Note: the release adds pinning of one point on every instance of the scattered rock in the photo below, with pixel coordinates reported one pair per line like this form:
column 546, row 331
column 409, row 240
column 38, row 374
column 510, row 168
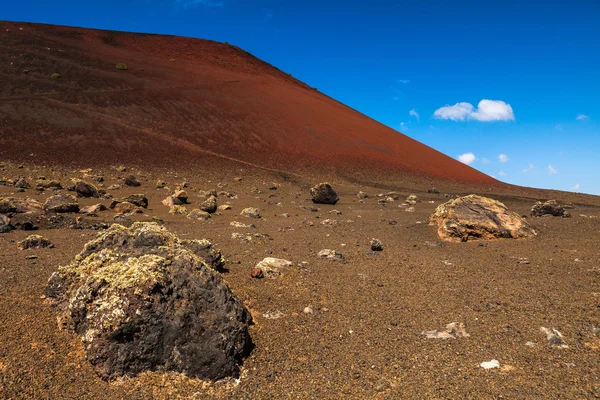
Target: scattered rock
column 114, row 187
column 35, row 242
column 142, row 300
column 551, row 207
column 172, row 201
column 433, row 191
column 453, row 330
column 209, row 205
column 85, row 189
column 160, row 184
column 224, row 207
column 95, row 209
column 475, row 217
column 48, row 184
column 490, row 364
column 270, row 267
column 198, row 214
column 236, row 224
column 7, row 205
column 330, row 254
column 62, row 203
column 181, row 195
column 250, row 212
column 178, row 210
column 376, row 245
column 362, row 195
column 393, row 195
column 308, row 310
column 127, row 208
column 130, row 180
column 323, row 193
column 555, row 338
column 138, row 199
column 409, row 209
column 22, row 184
column 257, row 273
column 412, row 200
column 5, row 225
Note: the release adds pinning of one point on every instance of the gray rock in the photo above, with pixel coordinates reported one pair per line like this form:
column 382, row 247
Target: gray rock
column 323, row 193
column 270, row 267
column 198, row 214
column 85, row 189
column 22, row 184
column 330, row 254
column 555, row 338
column 376, row 245
column 209, row 205
column 551, row 207
column 35, row 242
column 5, row 225
column 141, row 299
column 62, row 203
column 130, row 180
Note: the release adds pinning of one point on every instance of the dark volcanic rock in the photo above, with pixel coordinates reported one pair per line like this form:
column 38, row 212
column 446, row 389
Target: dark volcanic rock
column 551, row 207
column 138, row 199
column 475, row 217
column 5, row 225
column 84, row 189
column 7, row 205
column 323, row 193
column 141, row 299
column 35, row 242
column 209, row 205
column 131, row 181
column 376, row 245
column 62, row 203
column 22, row 184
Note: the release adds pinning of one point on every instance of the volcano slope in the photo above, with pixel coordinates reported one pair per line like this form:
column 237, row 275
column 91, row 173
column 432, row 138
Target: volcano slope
column 217, row 119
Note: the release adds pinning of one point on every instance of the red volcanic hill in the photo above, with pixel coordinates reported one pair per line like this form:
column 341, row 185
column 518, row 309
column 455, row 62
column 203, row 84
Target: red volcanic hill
column 180, row 99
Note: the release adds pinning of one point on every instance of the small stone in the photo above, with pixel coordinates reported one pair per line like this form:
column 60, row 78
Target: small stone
column 376, row 245
column 209, row 205
column 178, row 210
column 433, row 191
column 5, row 225
column 271, row 266
column 92, row 209
column 250, row 212
column 138, row 199
column 114, row 187
column 555, row 338
column 257, row 273
column 85, row 189
column 198, row 214
column 330, row 254
column 412, row 200
column 323, row 193
column 127, row 208
column 62, row 203
column 181, row 195
column 130, row 180
column 308, row 310
column 160, row 184
column 171, row 201
column 22, row 184
column 453, row 330
column 490, row 364
column 224, row 207
column 362, row 195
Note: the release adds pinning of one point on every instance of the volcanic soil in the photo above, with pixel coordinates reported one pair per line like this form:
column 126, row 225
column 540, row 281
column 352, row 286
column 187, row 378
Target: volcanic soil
column 363, row 338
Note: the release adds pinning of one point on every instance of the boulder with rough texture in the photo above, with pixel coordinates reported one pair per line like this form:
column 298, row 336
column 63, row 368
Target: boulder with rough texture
column 551, row 207
column 62, row 203
column 141, row 299
column 250, row 212
column 85, row 189
column 35, row 242
column 209, row 205
column 270, row 267
column 22, row 184
column 7, row 205
column 48, row 184
column 127, row 208
column 96, row 208
column 130, row 180
column 138, row 199
column 475, row 217
column 178, row 210
column 5, row 225
column 198, row 214
column 323, row 193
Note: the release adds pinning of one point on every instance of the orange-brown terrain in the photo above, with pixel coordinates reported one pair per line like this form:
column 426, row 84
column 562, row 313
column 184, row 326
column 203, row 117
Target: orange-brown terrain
column 207, row 114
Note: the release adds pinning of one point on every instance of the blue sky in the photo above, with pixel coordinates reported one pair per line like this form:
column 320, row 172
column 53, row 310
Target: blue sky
column 511, row 87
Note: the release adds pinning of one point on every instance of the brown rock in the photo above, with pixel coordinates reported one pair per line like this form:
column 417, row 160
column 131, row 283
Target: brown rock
column 138, row 199
column 209, row 205
column 323, row 193
column 551, row 207
column 62, row 203
column 475, row 217
column 126, row 207
column 85, row 189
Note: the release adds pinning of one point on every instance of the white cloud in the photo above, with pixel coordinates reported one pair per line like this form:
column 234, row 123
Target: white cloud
column 552, row 170
column 487, row 110
column 402, row 125
column 577, row 186
column 529, row 168
column 414, row 113
column 467, row 158
column 403, row 81
column 502, row 173
column 502, row 158
column 485, row 161
column 582, row 117
column 197, row 3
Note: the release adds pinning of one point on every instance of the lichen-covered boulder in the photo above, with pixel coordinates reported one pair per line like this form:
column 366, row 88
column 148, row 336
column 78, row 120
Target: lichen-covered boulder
column 209, row 205
column 475, row 217
column 35, row 242
column 551, row 207
column 62, row 203
column 141, row 299
column 323, row 193
column 85, row 189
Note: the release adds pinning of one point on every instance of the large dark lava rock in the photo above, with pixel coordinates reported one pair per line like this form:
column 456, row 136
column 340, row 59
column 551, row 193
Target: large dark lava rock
column 142, row 299
column 323, row 193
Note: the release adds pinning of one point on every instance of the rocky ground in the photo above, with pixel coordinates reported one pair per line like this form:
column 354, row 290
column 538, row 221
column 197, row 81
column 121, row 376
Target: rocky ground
column 327, row 328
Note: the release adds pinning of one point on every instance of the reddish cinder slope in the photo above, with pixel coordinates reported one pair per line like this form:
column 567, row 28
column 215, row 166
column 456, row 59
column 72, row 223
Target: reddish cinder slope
column 184, row 96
